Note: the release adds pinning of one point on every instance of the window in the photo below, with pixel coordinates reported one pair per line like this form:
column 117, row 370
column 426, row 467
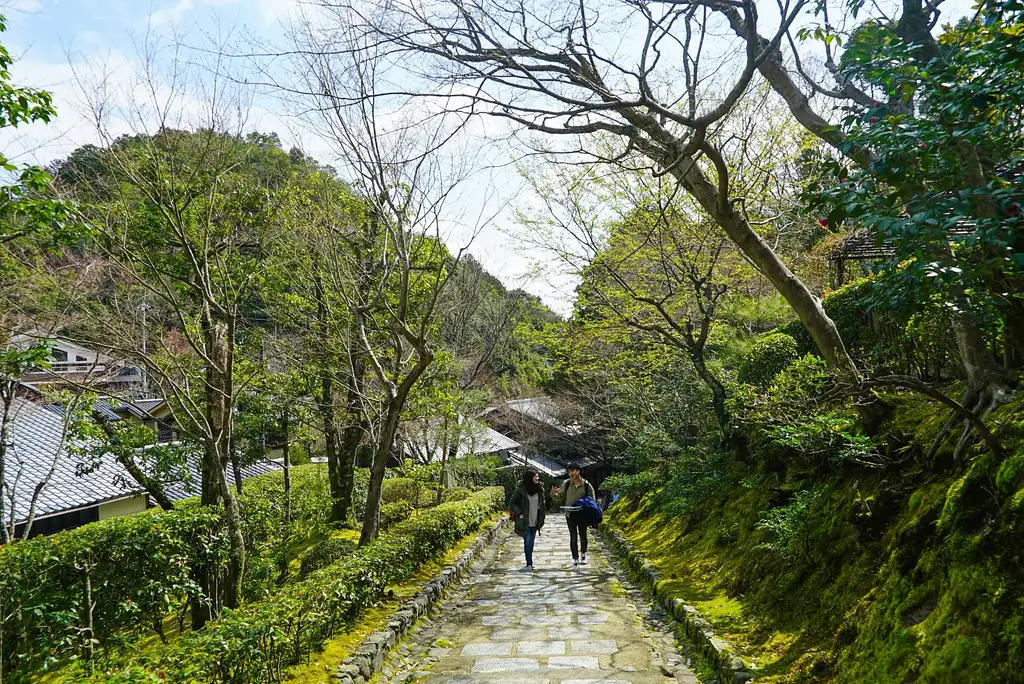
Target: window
column 80, row 358
column 60, row 355
column 165, row 433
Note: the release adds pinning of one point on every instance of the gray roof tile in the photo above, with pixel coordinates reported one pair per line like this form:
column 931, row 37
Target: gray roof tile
column 36, row 448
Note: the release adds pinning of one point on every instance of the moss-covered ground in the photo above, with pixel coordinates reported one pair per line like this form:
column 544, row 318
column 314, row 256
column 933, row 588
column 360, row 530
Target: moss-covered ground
column 913, row 572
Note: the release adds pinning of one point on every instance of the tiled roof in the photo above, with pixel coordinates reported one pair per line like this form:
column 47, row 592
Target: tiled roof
column 140, row 408
column 488, row 441
column 143, row 407
column 35, row 449
column 538, row 462
column 106, row 409
column 478, row 441
column 541, row 409
column 177, row 492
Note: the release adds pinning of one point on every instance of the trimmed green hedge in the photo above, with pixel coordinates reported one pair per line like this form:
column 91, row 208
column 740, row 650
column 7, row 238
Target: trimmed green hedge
column 257, row 642
column 325, row 553
column 138, row 569
column 393, row 513
column 137, row 566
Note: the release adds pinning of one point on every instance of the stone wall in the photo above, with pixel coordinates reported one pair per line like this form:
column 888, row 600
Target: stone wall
column 715, row 651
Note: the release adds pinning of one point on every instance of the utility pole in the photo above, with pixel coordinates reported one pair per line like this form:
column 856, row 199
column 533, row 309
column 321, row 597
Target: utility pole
column 145, row 351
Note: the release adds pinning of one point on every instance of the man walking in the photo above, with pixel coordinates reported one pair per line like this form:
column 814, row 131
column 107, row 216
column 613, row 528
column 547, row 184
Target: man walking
column 574, row 489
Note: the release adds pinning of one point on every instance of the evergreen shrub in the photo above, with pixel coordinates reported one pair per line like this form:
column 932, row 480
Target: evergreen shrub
column 768, row 357
column 258, row 642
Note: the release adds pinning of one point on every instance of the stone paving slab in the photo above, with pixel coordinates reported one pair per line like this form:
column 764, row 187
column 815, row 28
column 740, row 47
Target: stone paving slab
column 554, row 625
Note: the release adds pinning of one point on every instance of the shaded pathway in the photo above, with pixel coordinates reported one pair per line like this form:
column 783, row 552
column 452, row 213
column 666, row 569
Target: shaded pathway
column 554, row 624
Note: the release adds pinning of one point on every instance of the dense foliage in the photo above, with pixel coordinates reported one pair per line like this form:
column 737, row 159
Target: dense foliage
column 71, row 595
column 256, row 643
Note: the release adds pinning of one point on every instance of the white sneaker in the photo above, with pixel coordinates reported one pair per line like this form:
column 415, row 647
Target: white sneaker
column 575, row 563
column 583, row 559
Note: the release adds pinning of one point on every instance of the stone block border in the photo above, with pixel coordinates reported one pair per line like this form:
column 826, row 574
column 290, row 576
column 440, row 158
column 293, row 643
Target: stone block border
column 717, row 652
column 368, row 659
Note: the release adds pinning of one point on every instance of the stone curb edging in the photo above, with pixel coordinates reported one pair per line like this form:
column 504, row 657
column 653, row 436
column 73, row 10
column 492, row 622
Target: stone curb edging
column 720, row 654
column 368, row 659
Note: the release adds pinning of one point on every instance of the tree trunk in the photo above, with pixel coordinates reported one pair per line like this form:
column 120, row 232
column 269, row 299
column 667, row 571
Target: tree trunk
column 286, row 462
column 236, row 465
column 445, row 448
column 216, row 455
column 286, row 518
column 334, row 470
column 807, row 306
column 371, row 514
column 371, row 517
column 153, row 488
column 7, row 397
column 715, row 385
column 352, row 438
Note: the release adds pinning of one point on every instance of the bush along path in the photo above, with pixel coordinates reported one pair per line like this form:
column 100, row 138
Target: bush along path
column 553, row 624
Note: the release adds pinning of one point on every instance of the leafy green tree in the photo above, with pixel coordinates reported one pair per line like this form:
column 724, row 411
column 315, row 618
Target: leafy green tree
column 309, row 300
column 184, row 223
column 649, row 260
column 929, row 124
column 944, row 188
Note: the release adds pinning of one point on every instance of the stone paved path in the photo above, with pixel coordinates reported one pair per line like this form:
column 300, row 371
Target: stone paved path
column 556, row 624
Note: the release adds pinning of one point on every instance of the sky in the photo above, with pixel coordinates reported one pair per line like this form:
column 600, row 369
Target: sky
column 58, row 43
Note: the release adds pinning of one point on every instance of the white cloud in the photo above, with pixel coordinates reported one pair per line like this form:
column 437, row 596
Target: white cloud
column 172, row 14
column 278, row 10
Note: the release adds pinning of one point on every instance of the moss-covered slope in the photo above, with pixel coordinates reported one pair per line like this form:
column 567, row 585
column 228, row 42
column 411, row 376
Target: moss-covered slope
column 911, row 573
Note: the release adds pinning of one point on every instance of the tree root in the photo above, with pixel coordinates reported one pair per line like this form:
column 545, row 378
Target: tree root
column 969, row 401
column 987, row 402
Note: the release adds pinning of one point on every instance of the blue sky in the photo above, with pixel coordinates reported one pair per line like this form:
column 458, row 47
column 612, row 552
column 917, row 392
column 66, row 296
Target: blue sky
column 55, row 40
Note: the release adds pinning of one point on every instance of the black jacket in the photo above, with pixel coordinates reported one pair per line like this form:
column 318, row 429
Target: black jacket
column 520, row 506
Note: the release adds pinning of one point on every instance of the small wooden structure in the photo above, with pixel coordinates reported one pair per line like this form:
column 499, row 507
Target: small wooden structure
column 864, row 246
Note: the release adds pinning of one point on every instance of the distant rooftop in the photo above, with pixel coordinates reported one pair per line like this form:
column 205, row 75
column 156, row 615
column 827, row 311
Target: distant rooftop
column 541, row 409
column 36, row 448
column 479, row 440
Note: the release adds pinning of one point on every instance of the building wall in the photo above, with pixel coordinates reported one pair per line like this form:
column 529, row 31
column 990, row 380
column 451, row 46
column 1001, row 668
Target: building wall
column 115, row 509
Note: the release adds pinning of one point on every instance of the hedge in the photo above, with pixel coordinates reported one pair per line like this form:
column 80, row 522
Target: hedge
column 404, row 489
column 138, row 569
column 393, row 513
column 257, row 642
column 325, row 553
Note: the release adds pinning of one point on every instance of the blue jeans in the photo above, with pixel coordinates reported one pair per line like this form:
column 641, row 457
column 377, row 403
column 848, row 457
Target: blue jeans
column 528, row 539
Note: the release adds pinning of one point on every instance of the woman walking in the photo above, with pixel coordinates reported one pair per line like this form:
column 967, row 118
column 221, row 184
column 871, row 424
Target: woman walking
column 527, row 506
